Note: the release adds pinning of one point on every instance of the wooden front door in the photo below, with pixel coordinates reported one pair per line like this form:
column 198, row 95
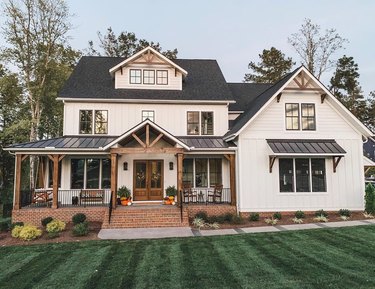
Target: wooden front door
column 148, row 180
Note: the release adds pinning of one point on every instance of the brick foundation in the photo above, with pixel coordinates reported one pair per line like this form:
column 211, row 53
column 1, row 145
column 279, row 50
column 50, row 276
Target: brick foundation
column 34, row 216
column 211, row 210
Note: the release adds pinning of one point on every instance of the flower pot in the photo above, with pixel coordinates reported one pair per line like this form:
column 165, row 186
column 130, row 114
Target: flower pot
column 171, row 198
column 124, row 202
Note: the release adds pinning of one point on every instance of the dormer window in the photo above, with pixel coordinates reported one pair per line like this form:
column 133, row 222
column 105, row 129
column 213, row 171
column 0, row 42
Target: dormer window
column 162, row 77
column 148, row 76
column 135, row 76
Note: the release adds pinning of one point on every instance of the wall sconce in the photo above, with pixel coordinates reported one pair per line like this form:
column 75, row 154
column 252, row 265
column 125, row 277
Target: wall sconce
column 125, row 164
column 171, row 166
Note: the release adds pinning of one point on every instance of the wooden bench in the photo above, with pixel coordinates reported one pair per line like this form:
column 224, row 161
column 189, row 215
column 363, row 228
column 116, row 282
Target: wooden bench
column 88, row 196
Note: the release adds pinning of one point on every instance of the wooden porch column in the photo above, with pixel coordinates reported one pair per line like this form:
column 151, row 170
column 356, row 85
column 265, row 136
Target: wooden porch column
column 232, row 164
column 17, row 183
column 180, row 158
column 55, row 183
column 114, row 168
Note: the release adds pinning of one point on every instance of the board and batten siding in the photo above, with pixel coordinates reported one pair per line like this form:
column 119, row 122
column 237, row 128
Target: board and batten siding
column 124, row 116
column 259, row 189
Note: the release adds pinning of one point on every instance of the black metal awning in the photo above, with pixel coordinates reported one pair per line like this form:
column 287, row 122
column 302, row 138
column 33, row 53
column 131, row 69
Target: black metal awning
column 327, row 147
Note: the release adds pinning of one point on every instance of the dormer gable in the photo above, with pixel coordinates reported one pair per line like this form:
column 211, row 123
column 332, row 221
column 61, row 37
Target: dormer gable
column 148, row 69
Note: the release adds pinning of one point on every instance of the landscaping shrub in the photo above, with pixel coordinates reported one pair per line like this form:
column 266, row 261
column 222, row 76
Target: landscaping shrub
column 277, row 215
column 297, row 220
column 370, row 199
column 5, row 224
column 237, row 220
column 271, row 221
column 81, row 229
column 55, row 226
column 45, row 221
column 321, row 218
column 29, row 232
column 19, row 224
column 299, row 214
column 201, row 215
column 345, row 212
column 214, row 219
column 16, row 231
column 78, row 218
column 321, row 213
column 254, row 217
column 52, row 235
column 228, row 217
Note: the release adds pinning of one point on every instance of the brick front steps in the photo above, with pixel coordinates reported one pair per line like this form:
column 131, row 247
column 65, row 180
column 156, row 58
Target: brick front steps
column 146, row 216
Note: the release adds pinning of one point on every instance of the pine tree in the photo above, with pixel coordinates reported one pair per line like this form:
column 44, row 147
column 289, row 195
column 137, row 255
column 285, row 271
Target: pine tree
column 272, row 67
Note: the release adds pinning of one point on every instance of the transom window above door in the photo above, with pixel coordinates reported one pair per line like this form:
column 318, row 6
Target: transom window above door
column 200, row 123
column 295, row 119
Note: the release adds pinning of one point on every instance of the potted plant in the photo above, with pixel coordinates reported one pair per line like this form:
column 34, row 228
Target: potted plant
column 171, row 193
column 124, row 194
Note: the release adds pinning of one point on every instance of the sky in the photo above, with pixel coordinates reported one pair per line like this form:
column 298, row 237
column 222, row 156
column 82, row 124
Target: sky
column 232, row 32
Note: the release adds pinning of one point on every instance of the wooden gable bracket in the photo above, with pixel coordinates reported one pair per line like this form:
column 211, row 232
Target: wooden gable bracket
column 336, row 161
column 278, row 97
column 271, row 162
column 139, row 140
column 323, row 97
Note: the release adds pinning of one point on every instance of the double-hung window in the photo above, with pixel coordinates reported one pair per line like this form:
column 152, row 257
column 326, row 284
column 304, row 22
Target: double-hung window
column 200, row 123
column 308, row 116
column 292, row 116
column 85, row 121
column 101, row 121
column 88, row 123
column 295, row 119
column 302, row 175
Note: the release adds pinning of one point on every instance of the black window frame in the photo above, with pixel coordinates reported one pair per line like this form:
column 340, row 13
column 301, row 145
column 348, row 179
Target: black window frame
column 148, row 77
column 135, row 77
column 308, row 117
column 201, row 123
column 89, row 123
column 193, row 123
column 102, row 122
column 161, row 77
column 148, row 110
column 292, row 117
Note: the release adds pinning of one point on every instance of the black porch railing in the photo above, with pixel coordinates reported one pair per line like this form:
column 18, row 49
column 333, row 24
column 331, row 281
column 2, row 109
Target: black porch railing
column 207, row 196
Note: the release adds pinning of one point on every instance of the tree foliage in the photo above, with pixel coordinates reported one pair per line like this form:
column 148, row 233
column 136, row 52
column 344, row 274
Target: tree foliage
column 314, row 48
column 273, row 66
column 345, row 86
column 124, row 45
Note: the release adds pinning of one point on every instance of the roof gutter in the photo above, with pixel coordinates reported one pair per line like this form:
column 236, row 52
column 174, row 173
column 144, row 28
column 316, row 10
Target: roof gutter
column 104, row 100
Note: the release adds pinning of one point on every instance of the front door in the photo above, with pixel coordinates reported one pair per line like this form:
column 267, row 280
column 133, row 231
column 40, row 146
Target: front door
column 148, row 180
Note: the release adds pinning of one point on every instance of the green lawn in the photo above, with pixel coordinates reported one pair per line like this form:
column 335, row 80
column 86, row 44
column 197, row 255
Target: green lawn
column 324, row 258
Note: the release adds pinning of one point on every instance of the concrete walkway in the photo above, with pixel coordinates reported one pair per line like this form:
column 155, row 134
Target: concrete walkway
column 172, row 232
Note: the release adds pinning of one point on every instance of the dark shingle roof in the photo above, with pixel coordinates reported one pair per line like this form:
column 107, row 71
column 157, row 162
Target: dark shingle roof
column 91, row 79
column 245, row 93
column 254, row 106
column 67, row 142
column 305, row 146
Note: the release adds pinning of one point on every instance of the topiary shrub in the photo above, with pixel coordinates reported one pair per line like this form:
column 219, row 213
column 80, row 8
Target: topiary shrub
column 81, row 229
column 254, row 217
column 201, row 215
column 345, row 212
column 299, row 214
column 55, row 226
column 370, row 199
column 277, row 215
column 19, row 224
column 5, row 224
column 29, row 232
column 78, row 218
column 321, row 213
column 16, row 231
column 45, row 221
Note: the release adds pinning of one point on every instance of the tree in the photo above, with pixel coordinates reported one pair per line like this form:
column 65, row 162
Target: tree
column 124, row 45
column 370, row 113
column 316, row 49
column 35, row 30
column 345, row 86
column 272, row 67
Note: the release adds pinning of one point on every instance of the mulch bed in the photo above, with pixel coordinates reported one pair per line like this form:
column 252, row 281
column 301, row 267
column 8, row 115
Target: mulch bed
column 65, row 236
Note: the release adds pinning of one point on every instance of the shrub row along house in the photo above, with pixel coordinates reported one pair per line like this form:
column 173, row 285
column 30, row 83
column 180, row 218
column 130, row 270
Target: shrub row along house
column 148, row 123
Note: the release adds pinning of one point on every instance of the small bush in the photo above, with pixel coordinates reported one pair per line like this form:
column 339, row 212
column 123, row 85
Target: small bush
column 367, row 215
column 81, row 229
column 345, row 212
column 78, row 218
column 344, row 218
column 29, row 232
column 271, row 221
column 45, row 221
column 370, row 199
column 213, row 226
column 237, row 220
column 198, row 223
column 277, row 215
column 55, row 226
column 321, row 213
column 254, row 217
column 321, row 218
column 5, row 224
column 16, row 231
column 19, row 224
column 297, row 220
column 53, row 235
column 201, row 215
column 228, row 217
column 299, row 215
column 215, row 219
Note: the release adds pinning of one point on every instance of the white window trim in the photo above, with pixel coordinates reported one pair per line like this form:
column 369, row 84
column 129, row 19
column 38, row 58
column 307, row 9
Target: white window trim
column 144, row 110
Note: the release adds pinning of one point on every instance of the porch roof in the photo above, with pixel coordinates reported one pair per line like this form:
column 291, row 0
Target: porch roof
column 206, row 142
column 328, row 147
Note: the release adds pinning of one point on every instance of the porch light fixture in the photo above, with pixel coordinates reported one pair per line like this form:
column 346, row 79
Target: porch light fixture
column 125, row 165
column 171, row 166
